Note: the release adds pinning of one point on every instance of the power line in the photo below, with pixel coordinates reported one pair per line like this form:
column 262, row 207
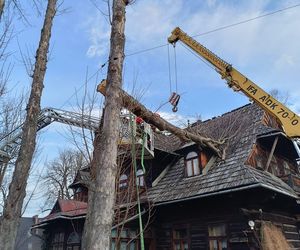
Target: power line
column 200, row 34
column 247, row 20
column 76, row 91
column 163, row 45
column 146, row 50
column 220, row 28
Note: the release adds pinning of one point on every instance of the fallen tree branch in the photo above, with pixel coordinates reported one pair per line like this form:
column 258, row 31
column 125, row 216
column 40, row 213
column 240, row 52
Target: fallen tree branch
column 140, row 110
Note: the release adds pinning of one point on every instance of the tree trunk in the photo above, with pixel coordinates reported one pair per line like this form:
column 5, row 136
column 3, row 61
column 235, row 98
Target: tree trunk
column 140, row 110
column 104, row 164
column 17, row 189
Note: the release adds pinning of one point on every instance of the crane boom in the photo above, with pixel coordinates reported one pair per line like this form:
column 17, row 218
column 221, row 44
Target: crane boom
column 289, row 121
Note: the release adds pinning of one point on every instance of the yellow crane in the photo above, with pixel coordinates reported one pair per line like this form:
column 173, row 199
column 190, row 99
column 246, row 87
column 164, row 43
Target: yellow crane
column 289, row 121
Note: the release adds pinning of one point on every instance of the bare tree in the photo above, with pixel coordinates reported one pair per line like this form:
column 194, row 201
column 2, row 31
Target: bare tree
column 104, row 163
column 61, row 173
column 87, row 105
column 104, row 166
column 11, row 116
column 6, row 34
column 17, row 190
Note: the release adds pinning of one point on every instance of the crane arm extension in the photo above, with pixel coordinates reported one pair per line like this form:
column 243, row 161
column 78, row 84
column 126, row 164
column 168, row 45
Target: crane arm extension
column 238, row 82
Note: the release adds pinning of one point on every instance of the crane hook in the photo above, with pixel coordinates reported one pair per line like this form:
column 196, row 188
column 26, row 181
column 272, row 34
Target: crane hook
column 174, row 100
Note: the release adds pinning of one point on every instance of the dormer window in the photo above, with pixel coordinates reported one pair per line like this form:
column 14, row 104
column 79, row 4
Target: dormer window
column 123, row 181
column 140, row 178
column 81, row 194
column 192, row 166
column 78, row 190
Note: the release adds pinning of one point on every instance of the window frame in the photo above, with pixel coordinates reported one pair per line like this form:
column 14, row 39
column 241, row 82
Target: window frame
column 140, row 178
column 186, row 160
column 130, row 241
column 57, row 244
column 81, row 194
column 123, row 182
column 181, row 241
column 73, row 244
column 219, row 239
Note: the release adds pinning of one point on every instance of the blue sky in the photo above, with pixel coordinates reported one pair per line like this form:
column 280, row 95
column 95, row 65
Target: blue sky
column 266, row 50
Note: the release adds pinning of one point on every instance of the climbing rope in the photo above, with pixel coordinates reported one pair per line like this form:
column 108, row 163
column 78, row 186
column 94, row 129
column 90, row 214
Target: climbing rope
column 133, row 155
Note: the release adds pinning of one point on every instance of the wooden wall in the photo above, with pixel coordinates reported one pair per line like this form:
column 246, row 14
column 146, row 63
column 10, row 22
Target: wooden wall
column 197, row 215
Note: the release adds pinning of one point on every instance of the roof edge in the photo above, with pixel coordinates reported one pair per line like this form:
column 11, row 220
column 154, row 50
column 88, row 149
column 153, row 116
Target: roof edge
column 227, row 191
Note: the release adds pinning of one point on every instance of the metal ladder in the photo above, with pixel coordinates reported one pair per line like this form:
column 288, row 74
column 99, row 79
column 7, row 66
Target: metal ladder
column 10, row 142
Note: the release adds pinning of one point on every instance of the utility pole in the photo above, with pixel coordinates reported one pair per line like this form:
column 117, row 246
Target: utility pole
column 101, row 202
column 9, row 222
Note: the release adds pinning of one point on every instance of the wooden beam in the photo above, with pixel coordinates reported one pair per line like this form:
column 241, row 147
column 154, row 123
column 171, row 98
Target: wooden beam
column 271, row 153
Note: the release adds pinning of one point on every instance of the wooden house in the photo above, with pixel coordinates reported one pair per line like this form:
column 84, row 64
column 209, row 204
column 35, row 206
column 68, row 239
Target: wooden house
column 191, row 199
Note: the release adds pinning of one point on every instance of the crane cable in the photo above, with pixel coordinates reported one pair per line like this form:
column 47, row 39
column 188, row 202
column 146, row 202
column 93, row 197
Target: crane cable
column 170, row 82
column 169, row 67
column 175, row 68
column 200, row 34
column 174, row 96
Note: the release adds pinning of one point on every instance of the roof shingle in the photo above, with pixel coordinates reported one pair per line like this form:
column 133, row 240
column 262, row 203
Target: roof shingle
column 226, row 175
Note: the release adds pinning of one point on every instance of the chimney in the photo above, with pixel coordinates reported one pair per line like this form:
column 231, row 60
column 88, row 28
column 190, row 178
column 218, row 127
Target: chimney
column 35, row 219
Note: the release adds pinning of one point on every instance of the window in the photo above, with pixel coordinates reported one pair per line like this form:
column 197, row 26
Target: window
column 140, row 178
column 123, row 181
column 58, row 241
column 78, row 190
column 73, row 242
column 81, row 194
column 217, row 237
column 192, row 164
column 180, row 238
column 125, row 241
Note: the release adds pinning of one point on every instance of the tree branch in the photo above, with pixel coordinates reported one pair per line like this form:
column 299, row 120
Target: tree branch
column 148, row 116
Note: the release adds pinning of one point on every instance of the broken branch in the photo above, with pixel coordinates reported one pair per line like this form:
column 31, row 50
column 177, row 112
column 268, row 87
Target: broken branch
column 148, row 116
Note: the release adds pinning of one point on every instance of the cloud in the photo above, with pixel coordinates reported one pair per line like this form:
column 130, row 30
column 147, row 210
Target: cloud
column 266, row 49
column 151, row 22
column 177, row 119
column 146, row 23
column 98, row 34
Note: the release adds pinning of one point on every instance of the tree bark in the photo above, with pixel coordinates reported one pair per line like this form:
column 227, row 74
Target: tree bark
column 104, row 164
column 17, row 189
column 140, row 110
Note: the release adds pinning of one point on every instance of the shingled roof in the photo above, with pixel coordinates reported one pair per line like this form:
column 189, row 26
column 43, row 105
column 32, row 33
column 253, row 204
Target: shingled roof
column 66, row 209
column 224, row 176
